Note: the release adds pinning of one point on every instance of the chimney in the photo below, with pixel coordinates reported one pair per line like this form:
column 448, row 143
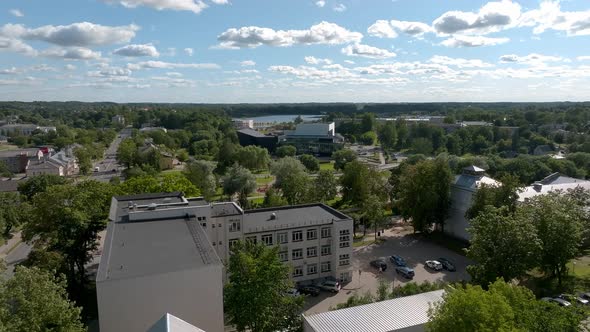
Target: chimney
column 273, row 216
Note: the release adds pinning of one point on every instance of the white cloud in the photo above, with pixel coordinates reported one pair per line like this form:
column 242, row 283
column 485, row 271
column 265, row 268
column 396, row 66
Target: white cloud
column 460, row 62
column 492, row 17
column 315, row 61
column 533, row 59
column 195, row 6
column 320, row 3
column 367, row 51
column 70, row 67
column 220, row 2
column 16, row 13
column 72, row 53
column 171, row 51
column 17, row 46
column 550, row 16
column 83, row 34
column 170, row 65
column 350, row 62
column 321, row 33
column 339, row 7
column 10, row 71
column 472, row 41
column 174, row 74
column 382, row 28
column 110, row 71
column 583, row 58
column 189, row 51
column 137, row 50
column 311, row 72
column 247, row 63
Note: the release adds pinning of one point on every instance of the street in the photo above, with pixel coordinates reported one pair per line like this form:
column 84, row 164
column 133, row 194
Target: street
column 108, row 167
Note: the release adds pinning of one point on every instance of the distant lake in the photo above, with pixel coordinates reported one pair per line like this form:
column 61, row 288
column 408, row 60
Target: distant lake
column 284, row 118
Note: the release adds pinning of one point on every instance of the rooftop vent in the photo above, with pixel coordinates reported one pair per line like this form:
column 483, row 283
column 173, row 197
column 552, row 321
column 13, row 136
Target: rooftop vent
column 130, row 204
column 167, row 200
column 152, row 206
column 537, row 186
column 273, row 216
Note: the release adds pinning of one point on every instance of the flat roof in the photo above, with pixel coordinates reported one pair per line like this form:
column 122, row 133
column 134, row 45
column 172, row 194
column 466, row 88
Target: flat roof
column 384, row 316
column 259, row 220
column 252, row 132
column 147, row 247
column 18, row 152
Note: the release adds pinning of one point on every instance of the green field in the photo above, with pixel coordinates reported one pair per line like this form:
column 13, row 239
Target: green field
column 4, row 147
column 261, row 181
column 327, row 166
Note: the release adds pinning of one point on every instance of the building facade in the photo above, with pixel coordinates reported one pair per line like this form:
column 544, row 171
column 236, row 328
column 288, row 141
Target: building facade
column 18, row 160
column 313, row 138
column 252, row 137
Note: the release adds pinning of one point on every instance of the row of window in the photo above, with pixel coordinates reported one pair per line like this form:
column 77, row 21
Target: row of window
column 312, row 269
column 311, row 252
column 296, row 236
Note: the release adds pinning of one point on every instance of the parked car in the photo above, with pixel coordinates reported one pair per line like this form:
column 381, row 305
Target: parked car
column 379, row 264
column 573, row 299
column 434, row 265
column 585, row 296
column 447, row 265
column 561, row 302
column 293, row 292
column 407, row 272
column 310, row 290
column 331, row 286
column 397, row 260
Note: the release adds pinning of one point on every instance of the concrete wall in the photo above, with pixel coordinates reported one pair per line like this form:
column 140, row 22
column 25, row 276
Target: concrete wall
column 135, row 304
column 456, row 225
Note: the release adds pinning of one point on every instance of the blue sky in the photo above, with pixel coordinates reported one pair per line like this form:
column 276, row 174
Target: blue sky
column 231, row 51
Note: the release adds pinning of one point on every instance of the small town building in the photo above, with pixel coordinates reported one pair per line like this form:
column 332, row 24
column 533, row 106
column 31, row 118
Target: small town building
column 313, row 138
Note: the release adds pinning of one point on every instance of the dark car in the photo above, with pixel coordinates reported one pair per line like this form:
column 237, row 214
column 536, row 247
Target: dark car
column 405, row 271
column 379, row 264
column 447, row 265
column 309, row 290
column 397, row 260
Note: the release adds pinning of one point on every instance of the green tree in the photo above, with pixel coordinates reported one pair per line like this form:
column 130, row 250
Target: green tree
column 325, row 186
column 84, row 160
column 368, row 122
column 373, row 213
column 310, row 162
column 561, row 223
column 292, row 179
column 502, row 245
column 239, row 180
column 368, row 138
column 387, row 135
column 255, row 298
column 35, row 301
column 15, row 211
column 422, row 145
column 503, row 307
column 505, row 195
column 272, row 198
column 66, row 219
column 343, row 157
column 200, row 173
column 182, row 155
column 423, row 194
column 127, row 152
column 4, row 171
column 286, row 151
column 170, row 182
column 39, row 184
column 252, row 157
column 355, row 300
column 358, row 182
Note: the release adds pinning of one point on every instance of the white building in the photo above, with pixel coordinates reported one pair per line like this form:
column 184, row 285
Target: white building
column 157, row 259
column 463, row 190
column 243, row 123
column 407, row 314
column 25, row 129
column 553, row 182
column 163, row 253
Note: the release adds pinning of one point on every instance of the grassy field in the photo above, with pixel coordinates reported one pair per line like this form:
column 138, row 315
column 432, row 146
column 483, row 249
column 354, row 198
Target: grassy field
column 5, row 147
column 261, row 181
column 580, row 267
column 327, row 166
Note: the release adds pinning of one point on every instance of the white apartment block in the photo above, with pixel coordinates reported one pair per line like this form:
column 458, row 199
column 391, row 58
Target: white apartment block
column 163, row 254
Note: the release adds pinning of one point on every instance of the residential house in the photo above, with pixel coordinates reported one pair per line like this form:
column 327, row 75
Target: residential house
column 45, row 166
column 463, row 190
column 25, row 129
column 407, row 314
column 118, row 119
column 166, row 160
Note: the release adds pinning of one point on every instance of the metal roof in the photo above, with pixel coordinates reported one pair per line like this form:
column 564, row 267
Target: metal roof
column 472, row 182
column 384, row 316
column 171, row 323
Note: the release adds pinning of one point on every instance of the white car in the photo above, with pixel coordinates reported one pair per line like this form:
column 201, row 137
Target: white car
column 434, row 265
column 293, row 292
column 331, row 286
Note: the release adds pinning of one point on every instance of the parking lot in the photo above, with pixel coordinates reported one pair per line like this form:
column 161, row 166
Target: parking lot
column 397, row 241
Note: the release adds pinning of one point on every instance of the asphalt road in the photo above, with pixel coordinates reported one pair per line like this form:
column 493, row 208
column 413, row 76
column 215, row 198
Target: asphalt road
column 108, row 167
column 16, row 255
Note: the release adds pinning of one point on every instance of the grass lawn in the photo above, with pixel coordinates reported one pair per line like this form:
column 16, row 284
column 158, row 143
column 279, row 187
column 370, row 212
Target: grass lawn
column 581, row 268
column 261, row 181
column 257, row 200
column 4, row 147
column 327, row 166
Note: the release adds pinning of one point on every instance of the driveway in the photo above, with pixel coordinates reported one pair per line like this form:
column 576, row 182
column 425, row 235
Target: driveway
column 396, row 241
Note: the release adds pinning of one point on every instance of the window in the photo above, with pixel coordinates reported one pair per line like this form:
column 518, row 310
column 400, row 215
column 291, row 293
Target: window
column 344, row 244
column 232, row 243
column 345, row 232
column 283, row 238
column 312, row 252
column 344, row 238
column 326, row 250
column 312, row 269
column 312, row 234
column 204, row 224
column 297, row 271
column 326, row 232
column 267, row 239
column 297, row 254
column 344, row 259
column 297, row 236
column 284, row 256
column 251, row 239
column 234, row 226
column 326, row 267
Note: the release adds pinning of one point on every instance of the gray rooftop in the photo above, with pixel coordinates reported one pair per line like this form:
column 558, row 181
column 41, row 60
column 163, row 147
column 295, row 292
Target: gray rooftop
column 290, row 216
column 173, row 242
column 472, row 182
column 553, row 182
column 384, row 316
column 17, row 152
column 251, row 132
column 171, row 323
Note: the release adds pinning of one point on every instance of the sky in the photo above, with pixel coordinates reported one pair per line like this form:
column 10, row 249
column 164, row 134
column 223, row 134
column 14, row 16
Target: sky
column 266, row 51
